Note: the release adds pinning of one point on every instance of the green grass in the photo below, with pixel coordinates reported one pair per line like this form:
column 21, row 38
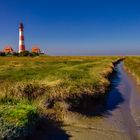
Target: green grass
column 43, row 84
column 132, row 64
column 17, row 119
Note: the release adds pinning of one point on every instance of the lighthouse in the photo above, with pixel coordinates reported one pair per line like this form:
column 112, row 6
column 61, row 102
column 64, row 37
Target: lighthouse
column 21, row 38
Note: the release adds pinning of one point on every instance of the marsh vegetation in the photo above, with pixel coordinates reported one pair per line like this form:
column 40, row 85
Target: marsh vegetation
column 132, row 64
column 39, row 87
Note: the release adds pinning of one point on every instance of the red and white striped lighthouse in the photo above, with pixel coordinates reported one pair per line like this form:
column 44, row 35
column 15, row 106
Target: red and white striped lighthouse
column 21, row 38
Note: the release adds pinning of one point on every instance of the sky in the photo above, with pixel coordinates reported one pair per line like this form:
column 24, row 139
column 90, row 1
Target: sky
column 73, row 27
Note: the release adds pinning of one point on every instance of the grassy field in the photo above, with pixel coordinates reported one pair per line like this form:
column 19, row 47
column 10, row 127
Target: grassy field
column 41, row 86
column 132, row 64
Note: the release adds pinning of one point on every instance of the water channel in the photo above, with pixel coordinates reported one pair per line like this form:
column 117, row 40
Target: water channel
column 119, row 118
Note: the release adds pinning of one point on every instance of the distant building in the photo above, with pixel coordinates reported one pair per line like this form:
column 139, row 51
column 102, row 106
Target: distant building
column 21, row 38
column 8, row 49
column 36, row 49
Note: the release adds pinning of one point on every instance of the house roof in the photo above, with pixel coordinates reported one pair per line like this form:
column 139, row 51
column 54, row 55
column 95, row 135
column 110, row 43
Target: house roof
column 8, row 49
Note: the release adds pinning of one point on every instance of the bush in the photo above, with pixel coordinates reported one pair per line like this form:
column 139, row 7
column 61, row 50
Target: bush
column 15, row 54
column 27, row 53
column 24, row 53
column 2, row 54
column 34, row 54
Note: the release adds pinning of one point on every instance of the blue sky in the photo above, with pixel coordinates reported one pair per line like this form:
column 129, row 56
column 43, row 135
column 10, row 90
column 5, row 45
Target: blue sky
column 73, row 27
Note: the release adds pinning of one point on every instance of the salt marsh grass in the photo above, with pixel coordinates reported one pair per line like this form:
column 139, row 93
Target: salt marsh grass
column 32, row 87
column 132, row 64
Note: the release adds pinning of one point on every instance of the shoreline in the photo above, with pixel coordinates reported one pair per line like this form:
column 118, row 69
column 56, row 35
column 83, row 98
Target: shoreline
column 60, row 123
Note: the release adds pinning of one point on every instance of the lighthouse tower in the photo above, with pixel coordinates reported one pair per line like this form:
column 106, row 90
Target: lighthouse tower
column 21, row 38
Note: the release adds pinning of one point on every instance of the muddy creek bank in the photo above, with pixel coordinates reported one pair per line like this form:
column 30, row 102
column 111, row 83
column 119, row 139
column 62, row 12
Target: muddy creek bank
column 116, row 118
